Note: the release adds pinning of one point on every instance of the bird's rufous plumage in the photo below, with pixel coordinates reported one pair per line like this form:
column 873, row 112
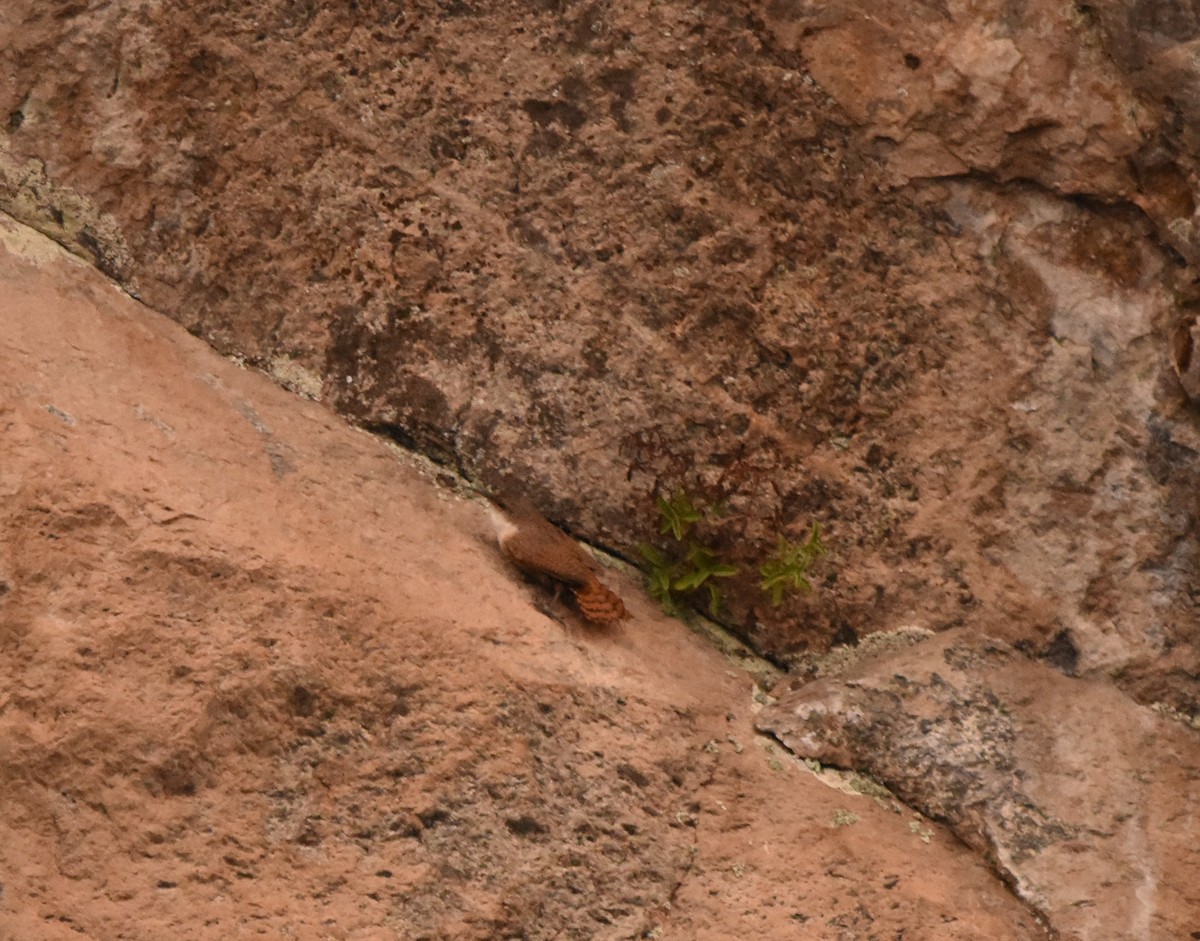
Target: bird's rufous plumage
column 538, row 547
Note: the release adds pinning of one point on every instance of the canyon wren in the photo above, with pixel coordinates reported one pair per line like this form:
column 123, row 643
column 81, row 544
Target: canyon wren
column 538, row 547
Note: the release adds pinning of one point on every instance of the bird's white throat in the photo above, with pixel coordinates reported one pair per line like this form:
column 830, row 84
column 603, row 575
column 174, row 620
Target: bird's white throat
column 505, row 529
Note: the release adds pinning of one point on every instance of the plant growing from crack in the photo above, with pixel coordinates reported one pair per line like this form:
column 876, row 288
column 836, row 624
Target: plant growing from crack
column 686, row 567
column 684, row 570
column 787, row 568
column 677, row 515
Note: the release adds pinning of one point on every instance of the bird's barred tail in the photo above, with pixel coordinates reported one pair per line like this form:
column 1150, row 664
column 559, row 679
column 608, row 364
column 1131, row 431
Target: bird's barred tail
column 599, row 603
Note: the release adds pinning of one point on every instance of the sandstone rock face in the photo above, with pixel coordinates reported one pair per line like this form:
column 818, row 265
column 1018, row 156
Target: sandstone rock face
column 1095, row 100
column 1008, row 91
column 1083, row 800
column 911, row 272
column 923, row 274
column 264, row 677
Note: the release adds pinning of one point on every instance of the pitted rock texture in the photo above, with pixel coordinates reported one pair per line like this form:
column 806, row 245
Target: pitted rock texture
column 265, row 678
column 910, row 273
column 1083, row 801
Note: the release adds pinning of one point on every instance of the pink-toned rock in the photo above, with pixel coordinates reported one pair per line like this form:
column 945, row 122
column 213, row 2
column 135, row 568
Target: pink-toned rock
column 617, row 251
column 621, row 251
column 266, row 677
column 1084, row 801
column 972, row 87
column 917, row 273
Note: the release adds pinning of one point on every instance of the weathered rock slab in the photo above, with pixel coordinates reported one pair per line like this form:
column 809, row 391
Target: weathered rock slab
column 1087, row 803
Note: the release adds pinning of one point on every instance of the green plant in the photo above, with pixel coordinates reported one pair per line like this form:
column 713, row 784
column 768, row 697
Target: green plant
column 689, row 573
column 704, row 568
column 661, row 578
column 685, row 568
column 677, row 515
column 681, row 568
column 787, row 569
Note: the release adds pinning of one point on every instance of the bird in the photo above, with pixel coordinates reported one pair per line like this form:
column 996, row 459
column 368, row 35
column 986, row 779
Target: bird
column 539, row 548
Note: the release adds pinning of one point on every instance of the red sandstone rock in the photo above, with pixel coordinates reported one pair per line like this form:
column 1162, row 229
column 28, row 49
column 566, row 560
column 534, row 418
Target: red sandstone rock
column 615, row 251
column 266, row 677
column 913, row 273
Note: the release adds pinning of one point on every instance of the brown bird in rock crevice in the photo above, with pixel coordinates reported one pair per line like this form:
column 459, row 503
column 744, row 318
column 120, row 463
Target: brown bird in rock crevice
column 538, row 547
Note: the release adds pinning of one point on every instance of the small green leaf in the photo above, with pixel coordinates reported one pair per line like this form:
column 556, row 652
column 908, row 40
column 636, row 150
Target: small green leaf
column 660, row 589
column 787, row 569
column 652, row 555
column 815, row 547
column 660, row 577
column 776, row 590
column 704, row 564
column 715, row 600
column 705, row 560
column 690, row 581
column 678, row 514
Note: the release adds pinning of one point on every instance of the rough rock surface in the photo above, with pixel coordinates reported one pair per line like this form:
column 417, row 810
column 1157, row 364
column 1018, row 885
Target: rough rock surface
column 910, row 271
column 926, row 274
column 1085, row 801
column 265, row 678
